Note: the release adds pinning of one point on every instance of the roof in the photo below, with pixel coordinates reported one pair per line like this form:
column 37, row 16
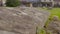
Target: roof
column 30, row 0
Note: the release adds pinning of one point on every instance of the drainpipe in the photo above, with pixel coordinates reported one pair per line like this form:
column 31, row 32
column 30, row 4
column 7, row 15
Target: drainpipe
column 31, row 5
column 1, row 3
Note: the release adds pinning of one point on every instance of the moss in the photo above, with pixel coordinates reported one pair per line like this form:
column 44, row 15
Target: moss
column 41, row 31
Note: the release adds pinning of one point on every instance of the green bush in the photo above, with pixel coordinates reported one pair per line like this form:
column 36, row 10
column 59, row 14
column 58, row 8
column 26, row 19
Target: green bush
column 12, row 3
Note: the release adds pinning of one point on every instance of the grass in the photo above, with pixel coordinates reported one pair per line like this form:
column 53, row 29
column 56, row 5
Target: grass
column 54, row 12
column 41, row 31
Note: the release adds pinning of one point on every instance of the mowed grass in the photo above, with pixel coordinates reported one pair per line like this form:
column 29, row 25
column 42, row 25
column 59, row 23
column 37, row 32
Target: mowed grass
column 53, row 12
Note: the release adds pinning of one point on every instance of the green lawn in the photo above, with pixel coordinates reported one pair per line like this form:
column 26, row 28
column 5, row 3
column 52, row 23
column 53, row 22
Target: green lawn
column 54, row 12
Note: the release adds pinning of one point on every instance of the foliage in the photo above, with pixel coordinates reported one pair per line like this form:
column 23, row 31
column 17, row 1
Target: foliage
column 12, row 3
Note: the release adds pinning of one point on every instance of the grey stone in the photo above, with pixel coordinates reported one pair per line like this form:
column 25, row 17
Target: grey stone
column 55, row 18
column 54, row 25
column 22, row 20
column 49, row 8
column 6, row 32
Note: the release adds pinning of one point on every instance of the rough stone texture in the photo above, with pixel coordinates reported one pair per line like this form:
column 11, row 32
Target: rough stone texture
column 54, row 26
column 22, row 20
column 6, row 32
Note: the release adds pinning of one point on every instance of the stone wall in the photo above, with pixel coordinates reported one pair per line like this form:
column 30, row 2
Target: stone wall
column 22, row 20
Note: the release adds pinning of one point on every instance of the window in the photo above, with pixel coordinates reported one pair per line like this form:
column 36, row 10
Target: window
column 44, row 0
column 49, row 0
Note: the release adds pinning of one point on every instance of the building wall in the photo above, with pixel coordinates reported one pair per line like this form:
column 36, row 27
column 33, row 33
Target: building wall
column 57, row 3
column 37, row 4
column 46, row 0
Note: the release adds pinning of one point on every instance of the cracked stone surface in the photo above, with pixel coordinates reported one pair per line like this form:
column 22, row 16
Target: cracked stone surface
column 22, row 20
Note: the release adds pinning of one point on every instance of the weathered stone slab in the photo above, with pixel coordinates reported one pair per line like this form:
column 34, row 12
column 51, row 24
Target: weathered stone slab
column 54, row 26
column 22, row 20
column 6, row 32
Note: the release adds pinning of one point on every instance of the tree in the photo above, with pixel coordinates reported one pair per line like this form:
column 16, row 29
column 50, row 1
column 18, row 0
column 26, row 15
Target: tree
column 12, row 3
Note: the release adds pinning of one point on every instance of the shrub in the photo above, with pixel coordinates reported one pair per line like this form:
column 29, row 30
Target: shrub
column 12, row 3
